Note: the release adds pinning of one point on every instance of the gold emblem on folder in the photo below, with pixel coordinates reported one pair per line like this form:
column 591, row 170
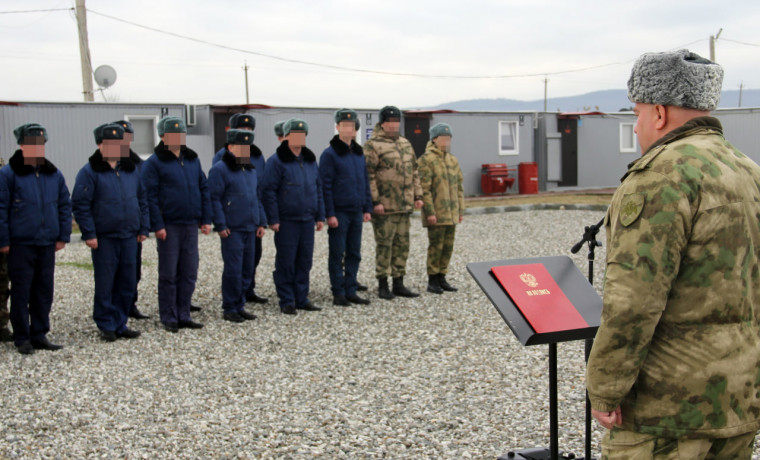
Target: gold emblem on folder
column 529, row 279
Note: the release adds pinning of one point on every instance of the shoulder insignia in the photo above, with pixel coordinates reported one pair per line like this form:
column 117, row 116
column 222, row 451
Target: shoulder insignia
column 630, row 208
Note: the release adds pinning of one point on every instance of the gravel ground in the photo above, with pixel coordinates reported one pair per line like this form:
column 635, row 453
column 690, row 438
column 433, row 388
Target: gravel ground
column 431, row 377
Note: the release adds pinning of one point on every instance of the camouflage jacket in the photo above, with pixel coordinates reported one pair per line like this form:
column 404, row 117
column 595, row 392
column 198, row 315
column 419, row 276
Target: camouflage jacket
column 679, row 343
column 442, row 191
column 392, row 169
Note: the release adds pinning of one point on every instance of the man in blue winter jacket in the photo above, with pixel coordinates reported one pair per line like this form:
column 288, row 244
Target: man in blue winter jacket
column 238, row 218
column 292, row 196
column 35, row 222
column 179, row 202
column 348, row 204
column 112, row 214
column 129, row 135
column 246, row 122
column 239, row 121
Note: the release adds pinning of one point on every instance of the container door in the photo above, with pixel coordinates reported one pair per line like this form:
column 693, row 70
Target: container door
column 417, row 131
column 568, row 127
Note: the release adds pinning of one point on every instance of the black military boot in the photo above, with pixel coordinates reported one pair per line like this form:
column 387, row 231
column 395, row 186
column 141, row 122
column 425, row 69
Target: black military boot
column 400, row 290
column 433, row 285
column 445, row 284
column 382, row 291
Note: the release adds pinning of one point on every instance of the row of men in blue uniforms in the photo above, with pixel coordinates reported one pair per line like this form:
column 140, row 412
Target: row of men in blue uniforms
column 295, row 193
column 118, row 199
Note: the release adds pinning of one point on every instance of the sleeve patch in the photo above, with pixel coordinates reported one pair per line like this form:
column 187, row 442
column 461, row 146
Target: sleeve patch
column 630, row 208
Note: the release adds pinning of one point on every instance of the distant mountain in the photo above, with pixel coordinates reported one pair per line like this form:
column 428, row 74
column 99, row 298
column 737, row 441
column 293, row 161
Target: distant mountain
column 612, row 100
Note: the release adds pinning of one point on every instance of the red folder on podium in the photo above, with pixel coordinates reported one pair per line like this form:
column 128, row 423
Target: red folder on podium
column 539, row 298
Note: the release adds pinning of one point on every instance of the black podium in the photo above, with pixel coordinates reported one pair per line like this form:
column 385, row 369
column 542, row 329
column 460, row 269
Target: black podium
column 584, row 299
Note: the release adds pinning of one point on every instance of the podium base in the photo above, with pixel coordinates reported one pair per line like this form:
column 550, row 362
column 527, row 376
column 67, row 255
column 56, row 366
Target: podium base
column 536, row 453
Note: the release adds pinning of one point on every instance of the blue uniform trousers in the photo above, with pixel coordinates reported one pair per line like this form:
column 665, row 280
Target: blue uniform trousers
column 177, row 272
column 256, row 259
column 138, row 275
column 31, row 270
column 114, row 265
column 238, row 251
column 295, row 247
column 345, row 252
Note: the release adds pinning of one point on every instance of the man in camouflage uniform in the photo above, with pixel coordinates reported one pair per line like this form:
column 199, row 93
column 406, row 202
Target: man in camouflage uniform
column 674, row 370
column 443, row 204
column 395, row 187
column 5, row 292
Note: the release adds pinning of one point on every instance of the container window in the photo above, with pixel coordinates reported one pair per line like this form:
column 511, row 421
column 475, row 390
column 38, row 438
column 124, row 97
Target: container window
column 145, row 135
column 627, row 138
column 508, row 138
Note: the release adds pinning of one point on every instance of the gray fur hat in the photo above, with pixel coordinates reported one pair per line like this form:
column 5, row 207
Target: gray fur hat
column 678, row 78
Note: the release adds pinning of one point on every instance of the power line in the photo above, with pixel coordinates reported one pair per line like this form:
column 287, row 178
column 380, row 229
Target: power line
column 737, row 41
column 688, row 44
column 36, row 11
column 349, row 69
column 354, row 69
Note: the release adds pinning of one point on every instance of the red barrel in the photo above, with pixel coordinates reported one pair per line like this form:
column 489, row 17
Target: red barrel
column 527, row 178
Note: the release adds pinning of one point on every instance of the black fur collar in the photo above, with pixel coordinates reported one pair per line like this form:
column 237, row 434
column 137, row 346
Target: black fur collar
column 229, row 159
column 17, row 164
column 164, row 154
column 98, row 164
column 286, row 156
column 135, row 157
column 341, row 148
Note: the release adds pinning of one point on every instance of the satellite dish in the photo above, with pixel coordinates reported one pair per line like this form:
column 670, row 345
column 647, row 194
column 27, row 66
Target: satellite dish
column 105, row 76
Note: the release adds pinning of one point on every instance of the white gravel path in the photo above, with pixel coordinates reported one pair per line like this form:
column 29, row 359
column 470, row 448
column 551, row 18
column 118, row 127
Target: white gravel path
column 432, row 377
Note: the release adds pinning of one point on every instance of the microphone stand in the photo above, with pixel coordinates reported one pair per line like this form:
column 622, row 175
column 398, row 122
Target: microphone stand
column 589, row 236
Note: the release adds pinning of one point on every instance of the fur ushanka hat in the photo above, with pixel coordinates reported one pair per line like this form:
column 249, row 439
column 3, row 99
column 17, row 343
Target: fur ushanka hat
column 678, row 78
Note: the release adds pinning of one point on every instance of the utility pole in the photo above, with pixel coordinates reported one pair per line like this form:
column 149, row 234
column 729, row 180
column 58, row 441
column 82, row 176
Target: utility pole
column 84, row 52
column 741, row 87
column 713, row 39
column 245, row 69
column 546, row 91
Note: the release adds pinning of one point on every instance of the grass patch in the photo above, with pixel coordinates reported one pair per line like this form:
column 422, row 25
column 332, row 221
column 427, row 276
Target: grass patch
column 83, row 266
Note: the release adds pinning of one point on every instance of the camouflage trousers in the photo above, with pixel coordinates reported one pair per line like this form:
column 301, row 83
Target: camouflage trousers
column 628, row 445
column 4, row 290
column 440, row 248
column 391, row 244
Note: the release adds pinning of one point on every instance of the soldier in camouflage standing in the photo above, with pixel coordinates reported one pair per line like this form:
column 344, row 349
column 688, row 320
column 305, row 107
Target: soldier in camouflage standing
column 395, row 187
column 443, row 204
column 5, row 292
column 673, row 372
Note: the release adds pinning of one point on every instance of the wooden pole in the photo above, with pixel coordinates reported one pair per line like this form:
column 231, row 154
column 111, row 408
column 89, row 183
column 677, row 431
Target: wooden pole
column 84, row 52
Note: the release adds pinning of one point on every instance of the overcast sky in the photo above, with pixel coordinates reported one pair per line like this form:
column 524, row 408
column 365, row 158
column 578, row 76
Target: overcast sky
column 40, row 51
